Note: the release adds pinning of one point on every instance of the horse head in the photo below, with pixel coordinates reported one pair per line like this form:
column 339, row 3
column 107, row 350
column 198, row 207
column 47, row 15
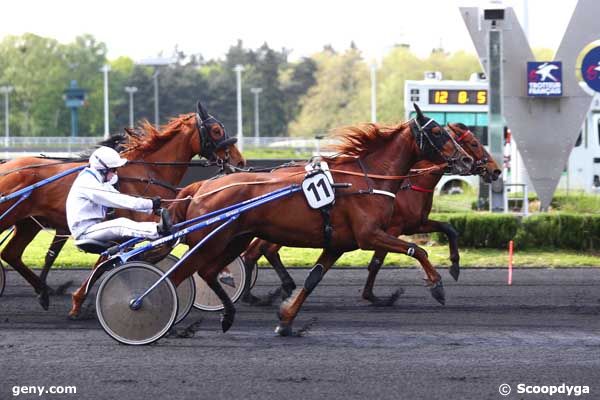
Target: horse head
column 484, row 164
column 436, row 144
column 215, row 143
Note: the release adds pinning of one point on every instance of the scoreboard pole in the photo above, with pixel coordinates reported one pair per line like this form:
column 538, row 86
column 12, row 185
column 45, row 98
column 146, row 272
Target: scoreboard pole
column 495, row 117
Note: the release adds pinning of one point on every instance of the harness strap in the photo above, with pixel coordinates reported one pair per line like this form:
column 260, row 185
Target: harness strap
column 327, row 228
column 423, row 171
column 420, row 189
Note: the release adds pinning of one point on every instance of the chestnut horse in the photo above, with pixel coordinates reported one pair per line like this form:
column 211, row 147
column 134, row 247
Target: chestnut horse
column 179, row 141
column 374, row 159
column 411, row 216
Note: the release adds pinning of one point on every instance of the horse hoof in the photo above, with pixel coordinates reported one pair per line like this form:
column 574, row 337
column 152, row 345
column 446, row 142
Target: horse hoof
column 390, row 301
column 454, row 271
column 250, row 299
column 283, row 330
column 226, row 322
column 44, row 299
column 73, row 315
column 437, row 291
column 62, row 289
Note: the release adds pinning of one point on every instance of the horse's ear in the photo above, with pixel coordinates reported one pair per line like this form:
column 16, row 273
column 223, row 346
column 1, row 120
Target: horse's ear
column 201, row 111
column 420, row 117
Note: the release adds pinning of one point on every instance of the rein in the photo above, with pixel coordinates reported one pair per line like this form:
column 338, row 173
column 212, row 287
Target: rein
column 418, row 172
column 150, row 181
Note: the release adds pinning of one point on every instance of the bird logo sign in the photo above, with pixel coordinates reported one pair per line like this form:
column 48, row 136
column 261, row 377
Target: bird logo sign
column 544, row 79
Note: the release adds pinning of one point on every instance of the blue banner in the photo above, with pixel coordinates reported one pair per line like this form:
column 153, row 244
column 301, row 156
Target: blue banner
column 544, row 79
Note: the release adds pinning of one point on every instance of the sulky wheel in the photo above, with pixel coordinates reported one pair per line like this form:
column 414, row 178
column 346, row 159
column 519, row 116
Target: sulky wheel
column 232, row 279
column 2, row 279
column 186, row 291
column 123, row 322
column 253, row 275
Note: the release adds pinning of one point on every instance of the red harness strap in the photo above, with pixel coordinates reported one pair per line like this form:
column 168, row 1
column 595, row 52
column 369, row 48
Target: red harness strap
column 463, row 136
column 420, row 189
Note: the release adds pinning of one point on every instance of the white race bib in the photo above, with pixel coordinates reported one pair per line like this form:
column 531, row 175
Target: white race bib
column 318, row 190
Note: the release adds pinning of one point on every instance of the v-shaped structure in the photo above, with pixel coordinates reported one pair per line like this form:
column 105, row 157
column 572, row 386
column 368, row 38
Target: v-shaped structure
column 545, row 129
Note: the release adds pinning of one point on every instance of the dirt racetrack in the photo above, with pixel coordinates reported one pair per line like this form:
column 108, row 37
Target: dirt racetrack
column 543, row 330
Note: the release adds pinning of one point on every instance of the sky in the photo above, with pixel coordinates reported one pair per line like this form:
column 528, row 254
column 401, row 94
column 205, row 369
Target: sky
column 143, row 29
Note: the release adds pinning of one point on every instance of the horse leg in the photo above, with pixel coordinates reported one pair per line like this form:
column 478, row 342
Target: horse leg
column 452, row 234
column 233, row 249
column 257, row 249
column 58, row 242
column 290, row 307
column 381, row 240
column 250, row 258
column 79, row 296
column 25, row 232
column 287, row 282
column 374, row 267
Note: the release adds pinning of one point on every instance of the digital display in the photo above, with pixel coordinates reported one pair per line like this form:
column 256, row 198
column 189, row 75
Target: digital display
column 457, row 96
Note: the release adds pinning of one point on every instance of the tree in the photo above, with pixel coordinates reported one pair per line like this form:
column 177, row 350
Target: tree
column 338, row 97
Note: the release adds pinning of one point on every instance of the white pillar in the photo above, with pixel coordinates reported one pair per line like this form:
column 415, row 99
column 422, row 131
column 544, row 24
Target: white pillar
column 240, row 137
column 105, row 70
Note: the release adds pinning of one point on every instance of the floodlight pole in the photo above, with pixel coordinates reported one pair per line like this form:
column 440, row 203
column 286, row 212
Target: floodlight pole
column 238, row 74
column 105, row 69
column 374, row 92
column 155, row 79
column 6, row 91
column 131, row 90
column 256, row 92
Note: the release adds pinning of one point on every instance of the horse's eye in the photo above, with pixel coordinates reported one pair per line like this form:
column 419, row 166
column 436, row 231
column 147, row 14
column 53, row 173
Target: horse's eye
column 475, row 145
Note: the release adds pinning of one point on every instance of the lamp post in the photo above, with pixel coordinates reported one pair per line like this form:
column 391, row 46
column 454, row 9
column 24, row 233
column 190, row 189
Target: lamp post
column 374, row 92
column 156, row 63
column 256, row 92
column 131, row 90
column 238, row 75
column 105, row 69
column 6, row 91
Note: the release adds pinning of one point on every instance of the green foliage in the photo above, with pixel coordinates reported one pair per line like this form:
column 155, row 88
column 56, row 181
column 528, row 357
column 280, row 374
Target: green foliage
column 339, row 96
column 560, row 230
column 401, row 64
column 547, row 230
column 481, row 230
column 40, row 69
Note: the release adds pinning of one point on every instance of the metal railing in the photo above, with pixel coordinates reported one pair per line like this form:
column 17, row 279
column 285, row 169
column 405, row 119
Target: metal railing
column 53, row 144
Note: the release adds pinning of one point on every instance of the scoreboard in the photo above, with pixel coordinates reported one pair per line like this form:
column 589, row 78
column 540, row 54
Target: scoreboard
column 457, row 96
column 449, row 101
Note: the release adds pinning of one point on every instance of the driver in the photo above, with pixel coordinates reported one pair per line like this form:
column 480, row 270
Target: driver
column 93, row 192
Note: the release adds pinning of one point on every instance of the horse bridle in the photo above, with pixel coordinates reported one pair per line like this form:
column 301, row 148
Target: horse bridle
column 421, row 132
column 479, row 164
column 209, row 145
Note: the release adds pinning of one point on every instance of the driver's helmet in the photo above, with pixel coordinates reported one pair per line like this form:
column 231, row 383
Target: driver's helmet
column 106, row 158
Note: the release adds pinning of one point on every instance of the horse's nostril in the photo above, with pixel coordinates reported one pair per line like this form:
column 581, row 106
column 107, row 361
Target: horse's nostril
column 467, row 161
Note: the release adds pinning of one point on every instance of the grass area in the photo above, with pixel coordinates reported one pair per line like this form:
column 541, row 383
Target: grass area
column 70, row 257
column 265, row 153
column 453, row 203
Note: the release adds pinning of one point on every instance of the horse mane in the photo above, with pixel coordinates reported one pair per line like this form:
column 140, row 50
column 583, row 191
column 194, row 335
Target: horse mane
column 147, row 138
column 361, row 139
